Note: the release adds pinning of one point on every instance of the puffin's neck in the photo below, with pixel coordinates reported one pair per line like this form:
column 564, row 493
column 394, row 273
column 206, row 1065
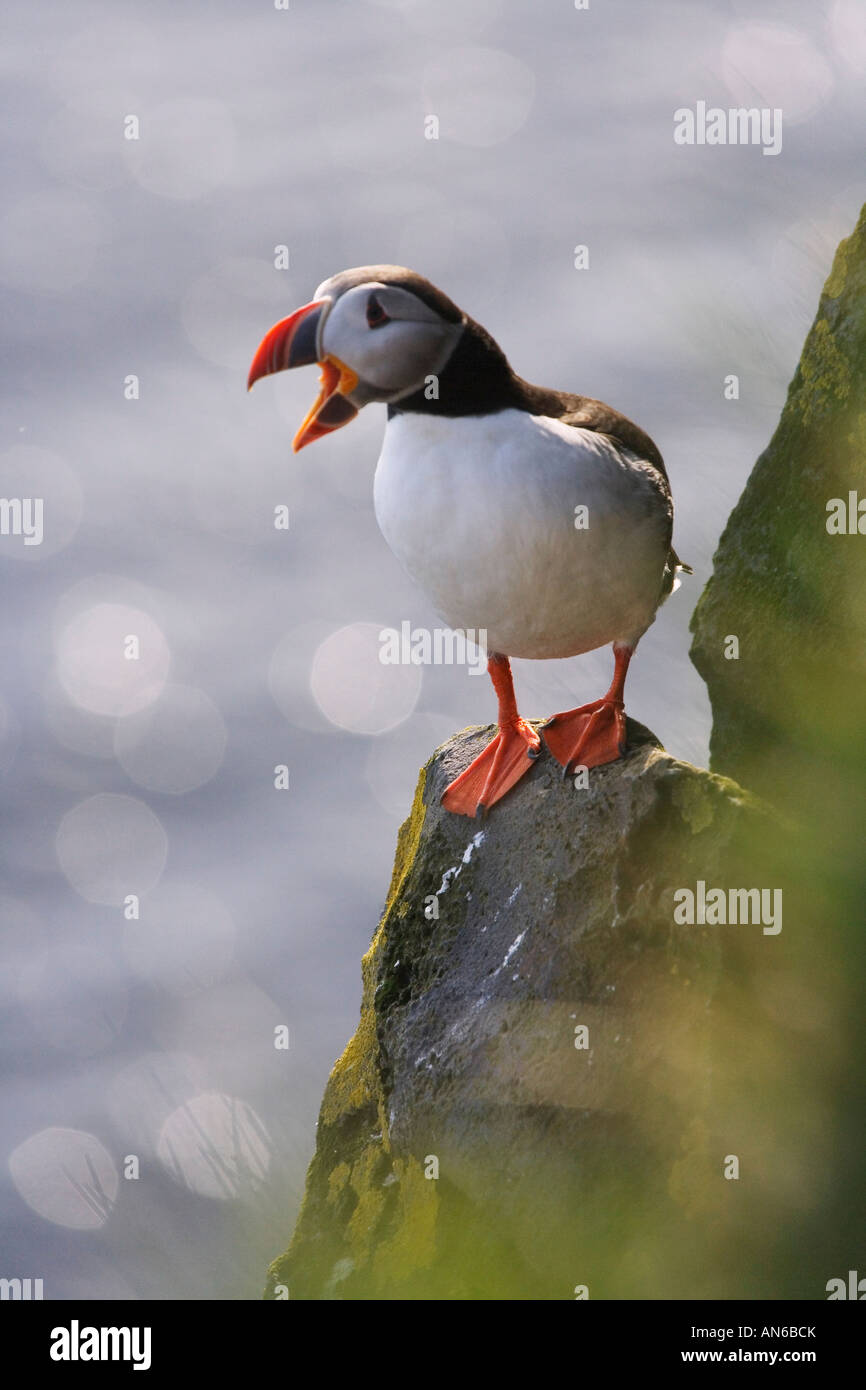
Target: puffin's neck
column 476, row 380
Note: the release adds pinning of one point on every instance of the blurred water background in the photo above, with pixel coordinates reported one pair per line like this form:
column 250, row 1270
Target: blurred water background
column 153, row 1036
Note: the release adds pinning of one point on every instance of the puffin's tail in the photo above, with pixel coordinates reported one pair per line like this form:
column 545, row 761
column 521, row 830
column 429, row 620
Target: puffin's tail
column 673, row 569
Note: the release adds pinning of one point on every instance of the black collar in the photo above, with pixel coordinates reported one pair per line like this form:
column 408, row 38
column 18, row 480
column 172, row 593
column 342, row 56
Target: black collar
column 477, row 379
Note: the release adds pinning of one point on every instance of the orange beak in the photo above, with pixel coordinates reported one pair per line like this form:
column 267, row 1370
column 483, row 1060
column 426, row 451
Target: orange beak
column 293, row 342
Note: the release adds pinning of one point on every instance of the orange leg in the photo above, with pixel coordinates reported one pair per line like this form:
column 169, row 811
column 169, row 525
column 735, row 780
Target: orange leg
column 593, row 734
column 504, row 761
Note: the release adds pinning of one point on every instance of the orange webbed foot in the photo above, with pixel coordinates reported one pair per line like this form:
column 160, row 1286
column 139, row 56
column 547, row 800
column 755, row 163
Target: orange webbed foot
column 587, row 737
column 495, row 771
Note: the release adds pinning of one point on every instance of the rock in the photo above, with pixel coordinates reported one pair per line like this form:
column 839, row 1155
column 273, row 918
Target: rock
column 789, row 722
column 792, row 594
column 468, row 1147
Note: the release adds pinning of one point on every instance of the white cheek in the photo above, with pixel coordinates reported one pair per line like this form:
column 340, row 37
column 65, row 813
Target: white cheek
column 340, row 340
column 344, row 335
column 385, row 356
column 391, row 358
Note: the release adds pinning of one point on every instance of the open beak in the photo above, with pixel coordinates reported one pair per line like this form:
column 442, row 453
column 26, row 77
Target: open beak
column 294, row 342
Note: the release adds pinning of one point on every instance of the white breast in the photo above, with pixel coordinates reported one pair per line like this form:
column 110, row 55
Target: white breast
column 481, row 511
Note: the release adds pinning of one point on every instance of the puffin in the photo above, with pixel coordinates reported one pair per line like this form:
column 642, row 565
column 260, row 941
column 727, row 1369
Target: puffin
column 542, row 518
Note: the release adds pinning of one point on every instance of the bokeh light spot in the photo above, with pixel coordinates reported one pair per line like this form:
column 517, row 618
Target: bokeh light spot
column 112, row 659
column 352, row 687
column 482, row 96
column 174, row 745
column 110, row 846
column 66, row 1176
column 215, row 1145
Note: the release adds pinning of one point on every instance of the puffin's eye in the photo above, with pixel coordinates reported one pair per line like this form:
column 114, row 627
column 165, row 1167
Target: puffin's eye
column 376, row 315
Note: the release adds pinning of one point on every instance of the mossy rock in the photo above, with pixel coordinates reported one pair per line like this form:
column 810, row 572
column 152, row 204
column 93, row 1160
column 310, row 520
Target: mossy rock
column 467, row 1147
column 792, row 593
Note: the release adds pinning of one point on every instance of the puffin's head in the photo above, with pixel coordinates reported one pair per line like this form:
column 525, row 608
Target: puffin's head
column 377, row 332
